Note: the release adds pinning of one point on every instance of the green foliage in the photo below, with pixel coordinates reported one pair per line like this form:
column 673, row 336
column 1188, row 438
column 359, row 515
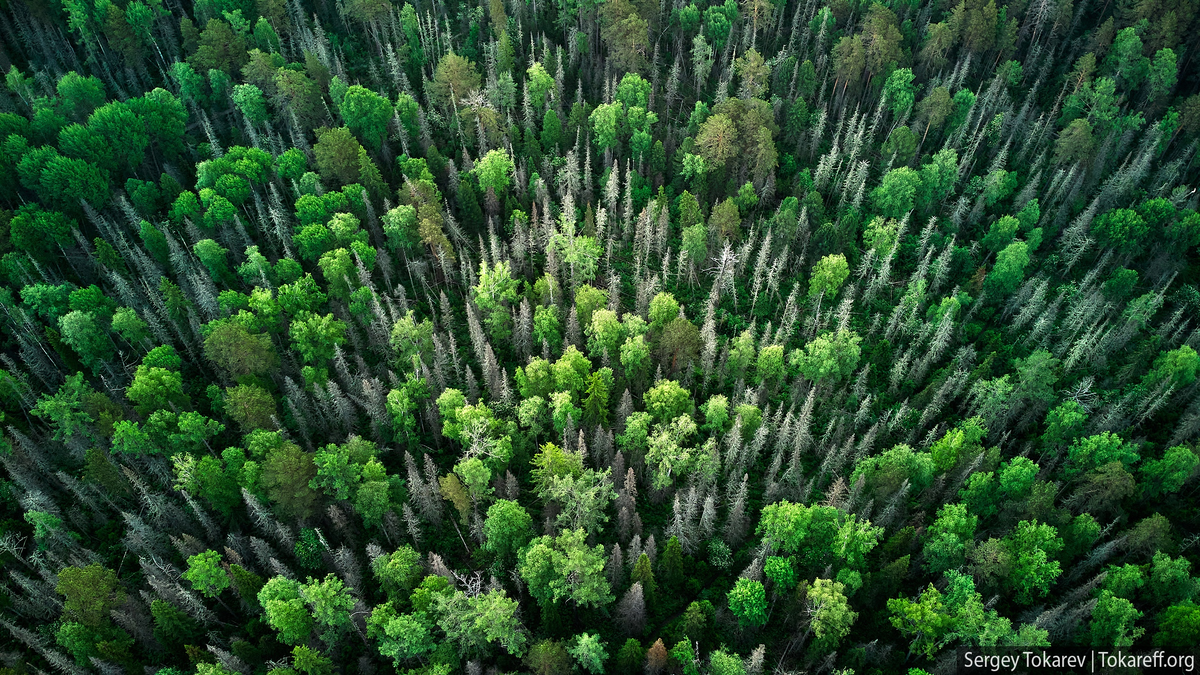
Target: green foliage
column 205, row 573
column 957, row 443
column 549, row 657
column 1031, row 547
column 1124, row 581
column 342, row 468
column 173, row 628
column 89, row 594
column 1009, row 271
column 1001, row 233
column 39, row 232
column 330, row 602
column 664, row 308
column 829, row 357
column 818, row 533
column 1096, row 451
column 1167, row 475
column 668, row 456
column 884, row 473
column 1112, row 621
column 506, row 529
column 86, row 336
column 286, row 472
column 367, row 114
column 723, row 663
column 831, row 615
column 237, row 351
column 748, row 602
column 156, row 389
column 1170, row 579
column 828, row 275
column 1065, row 423
column 495, row 290
column 899, row 90
column 400, row 225
column 781, row 572
column 1177, row 367
column 950, row 538
column 901, row 144
column 1037, row 374
column 667, row 401
column 588, row 651
column 630, row 657
column 925, row 619
column 565, row 568
column 896, row 195
column 477, row 622
column 1123, row 229
column 606, row 121
column 316, row 337
column 440, row 293
column 1179, row 626
column 251, row 406
column 284, row 609
column 493, row 171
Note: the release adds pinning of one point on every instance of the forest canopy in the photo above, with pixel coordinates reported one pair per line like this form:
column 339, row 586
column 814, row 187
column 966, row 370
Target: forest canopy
column 687, row 338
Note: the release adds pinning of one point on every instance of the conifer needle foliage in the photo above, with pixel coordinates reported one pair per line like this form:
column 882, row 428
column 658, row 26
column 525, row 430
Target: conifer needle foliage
column 448, row 337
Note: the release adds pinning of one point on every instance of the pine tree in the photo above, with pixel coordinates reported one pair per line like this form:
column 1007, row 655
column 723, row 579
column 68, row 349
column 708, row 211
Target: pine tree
column 615, row 568
column 631, row 611
column 735, row 520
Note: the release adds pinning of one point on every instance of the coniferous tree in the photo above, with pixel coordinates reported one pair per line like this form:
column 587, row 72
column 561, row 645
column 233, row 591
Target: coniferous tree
column 890, row 309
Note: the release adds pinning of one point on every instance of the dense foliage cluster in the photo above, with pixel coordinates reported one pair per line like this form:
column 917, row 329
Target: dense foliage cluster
column 438, row 337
